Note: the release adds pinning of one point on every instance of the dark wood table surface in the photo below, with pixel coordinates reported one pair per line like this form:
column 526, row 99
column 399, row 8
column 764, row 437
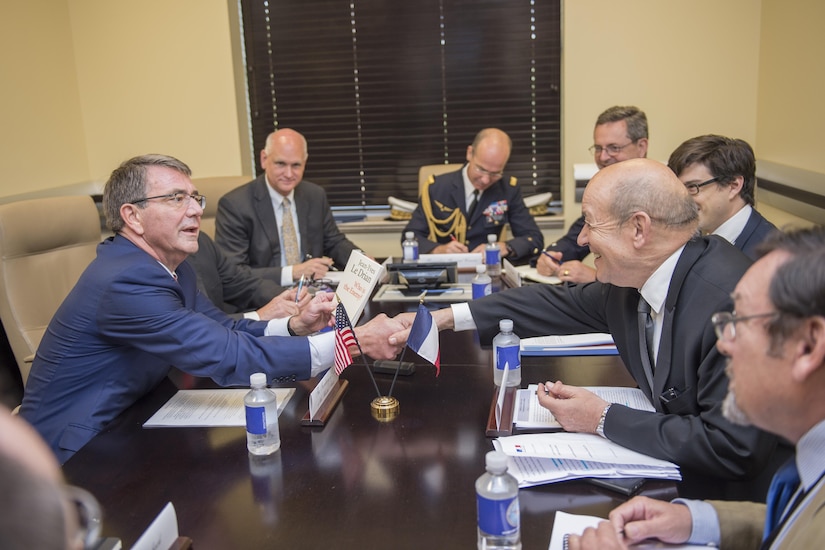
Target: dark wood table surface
column 355, row 483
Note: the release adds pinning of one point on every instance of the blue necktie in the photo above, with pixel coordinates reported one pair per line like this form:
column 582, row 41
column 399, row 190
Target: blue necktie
column 783, row 486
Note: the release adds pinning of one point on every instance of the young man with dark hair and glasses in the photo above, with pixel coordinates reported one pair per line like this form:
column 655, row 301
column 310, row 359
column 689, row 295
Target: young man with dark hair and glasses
column 459, row 209
column 620, row 134
column 720, row 174
column 775, row 349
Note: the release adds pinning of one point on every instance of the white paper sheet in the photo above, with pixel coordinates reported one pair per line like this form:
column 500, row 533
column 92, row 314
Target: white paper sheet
column 205, row 408
column 528, row 413
column 565, row 523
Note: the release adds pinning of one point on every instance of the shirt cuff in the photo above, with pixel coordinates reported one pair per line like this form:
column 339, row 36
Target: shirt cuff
column 252, row 315
column 705, row 529
column 277, row 327
column 322, row 351
column 462, row 318
column 286, row 276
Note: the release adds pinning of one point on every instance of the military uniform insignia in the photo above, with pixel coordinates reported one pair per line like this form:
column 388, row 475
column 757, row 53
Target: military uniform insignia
column 496, row 213
column 442, row 208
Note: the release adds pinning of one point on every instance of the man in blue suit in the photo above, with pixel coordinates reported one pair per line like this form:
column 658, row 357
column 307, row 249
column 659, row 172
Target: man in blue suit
column 136, row 312
column 459, row 209
column 726, row 208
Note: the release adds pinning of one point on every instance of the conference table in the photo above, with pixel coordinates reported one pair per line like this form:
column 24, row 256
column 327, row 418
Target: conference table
column 355, row 482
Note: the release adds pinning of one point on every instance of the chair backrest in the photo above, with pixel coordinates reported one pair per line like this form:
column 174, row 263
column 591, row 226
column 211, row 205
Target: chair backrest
column 428, row 170
column 45, row 244
column 213, row 188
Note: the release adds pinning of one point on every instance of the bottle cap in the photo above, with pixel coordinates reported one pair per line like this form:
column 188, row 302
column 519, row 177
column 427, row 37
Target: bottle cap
column 506, row 325
column 409, row 235
column 491, row 238
column 257, row 380
column 481, row 268
column 496, row 462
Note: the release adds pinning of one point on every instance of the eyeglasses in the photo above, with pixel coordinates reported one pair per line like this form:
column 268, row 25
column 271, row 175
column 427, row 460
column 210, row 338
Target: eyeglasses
column 176, row 199
column 611, row 149
column 724, row 323
column 484, row 172
column 89, row 517
column 693, row 188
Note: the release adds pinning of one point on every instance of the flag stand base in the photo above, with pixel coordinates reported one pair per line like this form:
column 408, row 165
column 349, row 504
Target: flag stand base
column 384, row 408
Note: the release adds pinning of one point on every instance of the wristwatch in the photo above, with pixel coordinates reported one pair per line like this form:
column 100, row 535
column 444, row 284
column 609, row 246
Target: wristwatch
column 289, row 328
column 511, row 253
column 600, row 427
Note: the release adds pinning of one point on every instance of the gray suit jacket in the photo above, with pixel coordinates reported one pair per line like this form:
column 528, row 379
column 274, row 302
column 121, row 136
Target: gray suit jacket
column 246, row 230
column 688, row 427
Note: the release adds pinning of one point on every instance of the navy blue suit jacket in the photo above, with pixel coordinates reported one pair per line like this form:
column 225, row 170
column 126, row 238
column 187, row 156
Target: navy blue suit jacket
column 755, row 231
column 447, row 194
column 688, row 428
column 119, row 332
column 247, row 231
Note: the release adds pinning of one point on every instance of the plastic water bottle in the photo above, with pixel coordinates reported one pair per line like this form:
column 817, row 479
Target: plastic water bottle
column 499, row 523
column 262, row 435
column 482, row 284
column 506, row 352
column 492, row 257
column 410, row 247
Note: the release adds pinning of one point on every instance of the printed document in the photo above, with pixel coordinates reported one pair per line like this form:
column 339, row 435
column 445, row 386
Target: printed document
column 529, row 414
column 575, row 524
column 206, row 408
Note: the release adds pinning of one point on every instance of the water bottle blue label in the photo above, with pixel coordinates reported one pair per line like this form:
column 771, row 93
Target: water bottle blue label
column 256, row 420
column 410, row 252
column 498, row 517
column 508, row 354
column 482, row 289
column 492, row 256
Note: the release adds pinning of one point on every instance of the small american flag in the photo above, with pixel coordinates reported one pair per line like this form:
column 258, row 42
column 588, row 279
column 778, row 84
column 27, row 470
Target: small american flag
column 344, row 338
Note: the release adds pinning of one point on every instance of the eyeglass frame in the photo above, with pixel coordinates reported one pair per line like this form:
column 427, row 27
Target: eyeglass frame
column 89, row 515
column 612, row 149
column 721, row 320
column 694, row 188
column 485, row 172
column 177, row 198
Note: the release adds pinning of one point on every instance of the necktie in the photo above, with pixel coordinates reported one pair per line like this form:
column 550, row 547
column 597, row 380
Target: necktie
column 289, row 237
column 646, row 339
column 473, row 204
column 783, row 486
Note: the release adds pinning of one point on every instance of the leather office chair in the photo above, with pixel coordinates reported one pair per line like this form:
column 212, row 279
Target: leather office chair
column 428, row 170
column 213, row 189
column 45, row 244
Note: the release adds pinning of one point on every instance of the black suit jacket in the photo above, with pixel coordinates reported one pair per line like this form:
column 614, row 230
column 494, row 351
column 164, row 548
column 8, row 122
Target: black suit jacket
column 246, row 229
column 568, row 245
column 689, row 429
column 755, row 231
column 229, row 287
column 448, row 191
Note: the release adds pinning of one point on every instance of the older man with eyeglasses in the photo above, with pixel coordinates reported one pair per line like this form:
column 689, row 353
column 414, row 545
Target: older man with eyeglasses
column 459, row 209
column 136, row 312
column 720, row 174
column 620, row 134
column 775, row 349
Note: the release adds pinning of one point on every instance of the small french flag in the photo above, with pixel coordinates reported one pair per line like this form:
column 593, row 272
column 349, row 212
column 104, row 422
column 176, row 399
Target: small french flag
column 423, row 338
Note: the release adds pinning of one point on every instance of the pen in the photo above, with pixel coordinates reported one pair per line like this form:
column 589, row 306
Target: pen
column 300, row 286
column 452, row 237
column 331, row 266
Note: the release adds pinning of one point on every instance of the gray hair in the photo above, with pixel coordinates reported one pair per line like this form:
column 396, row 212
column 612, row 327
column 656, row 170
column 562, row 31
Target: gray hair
column 663, row 203
column 635, row 119
column 128, row 184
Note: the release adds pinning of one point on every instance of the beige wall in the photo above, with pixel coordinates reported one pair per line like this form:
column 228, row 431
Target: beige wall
column 91, row 82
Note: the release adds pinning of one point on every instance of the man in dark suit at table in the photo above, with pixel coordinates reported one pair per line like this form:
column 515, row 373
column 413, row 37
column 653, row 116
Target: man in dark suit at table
column 640, row 223
column 459, row 209
column 279, row 225
column 620, row 134
column 726, row 208
column 775, row 344
column 136, row 312
column 238, row 292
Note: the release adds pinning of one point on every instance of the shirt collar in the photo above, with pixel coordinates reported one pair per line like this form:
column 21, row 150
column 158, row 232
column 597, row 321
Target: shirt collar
column 810, row 451
column 655, row 289
column 468, row 186
column 734, row 225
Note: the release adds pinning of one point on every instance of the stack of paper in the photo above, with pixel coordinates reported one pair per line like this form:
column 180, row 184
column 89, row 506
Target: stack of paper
column 529, row 414
column 597, row 343
column 536, row 459
column 565, row 524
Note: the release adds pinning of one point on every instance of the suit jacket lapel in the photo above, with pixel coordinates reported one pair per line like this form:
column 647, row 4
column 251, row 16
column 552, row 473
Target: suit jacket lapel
column 690, row 254
column 302, row 206
column 266, row 215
